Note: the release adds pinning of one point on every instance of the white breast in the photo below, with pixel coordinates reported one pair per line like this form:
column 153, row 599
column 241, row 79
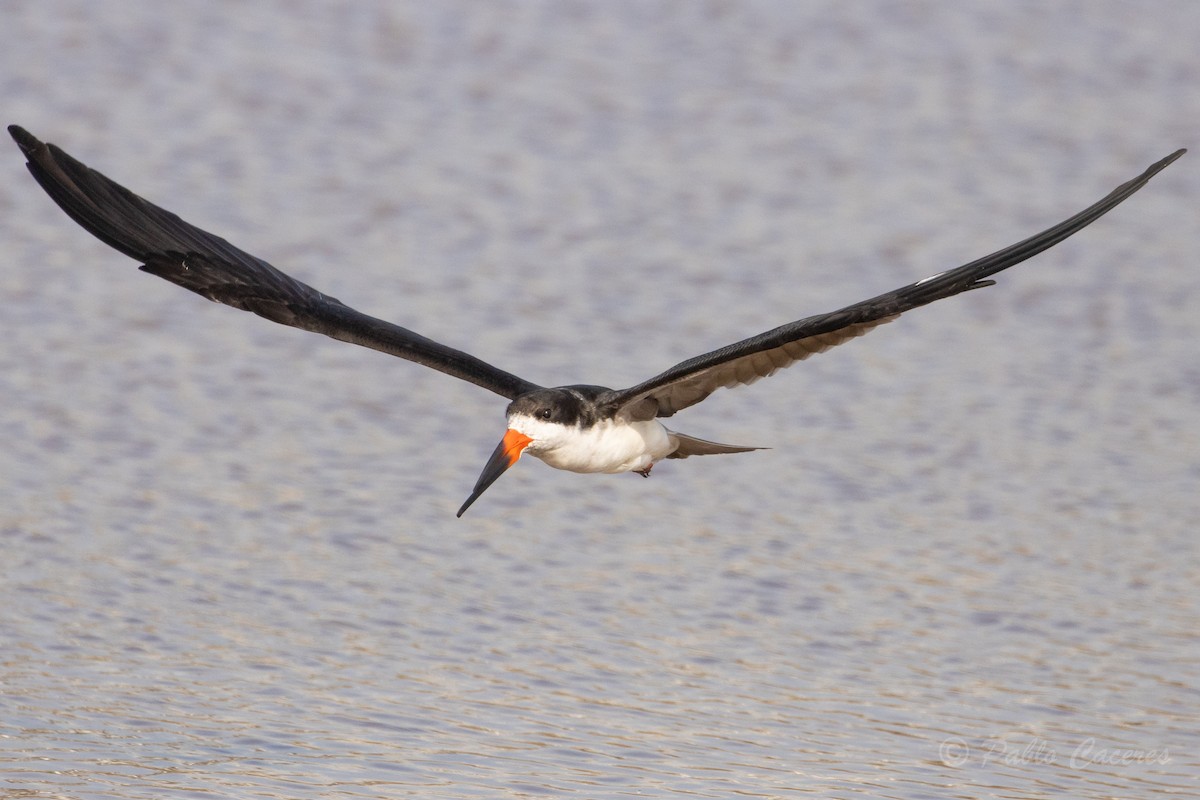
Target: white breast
column 608, row 446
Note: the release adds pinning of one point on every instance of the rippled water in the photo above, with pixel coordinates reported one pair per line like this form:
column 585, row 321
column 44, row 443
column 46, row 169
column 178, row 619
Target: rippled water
column 967, row 567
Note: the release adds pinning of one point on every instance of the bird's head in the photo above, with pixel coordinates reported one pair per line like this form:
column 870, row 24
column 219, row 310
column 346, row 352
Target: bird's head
column 538, row 422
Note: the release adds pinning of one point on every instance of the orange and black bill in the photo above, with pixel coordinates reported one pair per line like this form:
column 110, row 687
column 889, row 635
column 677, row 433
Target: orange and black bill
column 503, row 457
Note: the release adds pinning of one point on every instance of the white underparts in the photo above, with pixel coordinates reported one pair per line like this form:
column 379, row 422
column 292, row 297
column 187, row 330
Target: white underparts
column 607, row 446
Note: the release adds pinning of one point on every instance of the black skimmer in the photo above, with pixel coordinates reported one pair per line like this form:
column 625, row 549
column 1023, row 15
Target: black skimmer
column 578, row 428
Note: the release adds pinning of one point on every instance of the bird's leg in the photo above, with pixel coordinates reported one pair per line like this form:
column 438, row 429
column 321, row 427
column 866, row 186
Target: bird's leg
column 645, row 473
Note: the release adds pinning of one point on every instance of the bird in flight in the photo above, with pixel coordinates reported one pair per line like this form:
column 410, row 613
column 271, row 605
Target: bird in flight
column 581, row 428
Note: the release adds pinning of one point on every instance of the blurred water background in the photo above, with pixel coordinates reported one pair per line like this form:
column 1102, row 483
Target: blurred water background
column 967, row 568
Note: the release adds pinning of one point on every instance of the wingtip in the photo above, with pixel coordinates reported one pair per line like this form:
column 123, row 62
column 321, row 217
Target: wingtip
column 25, row 140
column 1168, row 160
column 19, row 133
column 1174, row 156
column 1152, row 170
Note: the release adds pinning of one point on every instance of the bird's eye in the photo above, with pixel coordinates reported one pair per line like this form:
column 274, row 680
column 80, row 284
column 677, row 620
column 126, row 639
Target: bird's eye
column 544, row 413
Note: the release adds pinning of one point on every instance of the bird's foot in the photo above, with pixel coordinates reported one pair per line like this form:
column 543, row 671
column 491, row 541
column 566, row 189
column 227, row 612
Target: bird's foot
column 645, row 473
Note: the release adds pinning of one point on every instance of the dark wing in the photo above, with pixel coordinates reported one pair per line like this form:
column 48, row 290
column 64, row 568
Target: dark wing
column 210, row 266
column 746, row 361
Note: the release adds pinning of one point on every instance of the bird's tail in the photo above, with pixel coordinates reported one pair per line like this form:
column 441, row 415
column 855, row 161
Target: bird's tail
column 691, row 446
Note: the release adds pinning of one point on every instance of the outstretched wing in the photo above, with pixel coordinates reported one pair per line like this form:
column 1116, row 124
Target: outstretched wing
column 746, row 361
column 210, row 266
